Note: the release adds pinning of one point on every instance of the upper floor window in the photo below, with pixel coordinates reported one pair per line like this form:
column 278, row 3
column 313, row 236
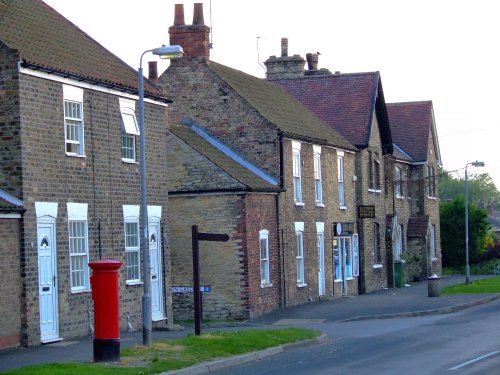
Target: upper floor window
column 297, row 173
column 431, row 181
column 73, row 120
column 265, row 277
column 130, row 129
column 397, row 181
column 373, row 172
column 78, row 247
column 318, row 185
column 340, row 174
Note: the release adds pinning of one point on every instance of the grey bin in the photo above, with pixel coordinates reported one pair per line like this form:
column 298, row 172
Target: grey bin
column 433, row 286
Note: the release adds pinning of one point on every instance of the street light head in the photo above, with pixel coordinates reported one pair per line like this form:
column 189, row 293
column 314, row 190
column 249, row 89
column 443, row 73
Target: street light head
column 168, row 52
column 478, row 163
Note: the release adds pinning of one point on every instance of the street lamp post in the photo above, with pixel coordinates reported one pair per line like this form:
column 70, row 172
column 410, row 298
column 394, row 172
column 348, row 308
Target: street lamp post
column 467, row 268
column 165, row 52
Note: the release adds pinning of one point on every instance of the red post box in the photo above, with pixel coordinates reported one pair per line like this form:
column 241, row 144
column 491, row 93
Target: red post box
column 105, row 293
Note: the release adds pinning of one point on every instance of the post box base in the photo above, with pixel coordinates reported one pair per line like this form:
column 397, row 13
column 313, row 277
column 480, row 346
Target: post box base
column 106, row 350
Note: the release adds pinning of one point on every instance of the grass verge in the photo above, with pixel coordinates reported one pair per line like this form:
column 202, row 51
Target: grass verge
column 489, row 285
column 166, row 355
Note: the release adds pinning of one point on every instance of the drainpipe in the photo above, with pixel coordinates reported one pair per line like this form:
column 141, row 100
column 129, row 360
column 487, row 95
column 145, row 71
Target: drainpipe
column 280, row 229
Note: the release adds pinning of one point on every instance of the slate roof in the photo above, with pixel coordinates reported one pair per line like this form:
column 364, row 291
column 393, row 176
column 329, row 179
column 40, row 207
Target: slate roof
column 280, row 108
column 230, row 166
column 49, row 42
column 344, row 101
column 418, row 226
column 411, row 123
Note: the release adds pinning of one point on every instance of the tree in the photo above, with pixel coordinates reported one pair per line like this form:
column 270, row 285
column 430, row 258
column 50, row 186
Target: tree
column 452, row 218
column 481, row 188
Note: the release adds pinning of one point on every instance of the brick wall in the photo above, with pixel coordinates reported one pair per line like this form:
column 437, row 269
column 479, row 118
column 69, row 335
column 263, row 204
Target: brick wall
column 201, row 95
column 310, row 213
column 373, row 276
column 99, row 179
column 10, row 137
column 232, row 269
column 10, row 283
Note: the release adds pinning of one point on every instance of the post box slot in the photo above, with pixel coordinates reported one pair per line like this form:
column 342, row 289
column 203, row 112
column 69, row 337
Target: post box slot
column 45, row 289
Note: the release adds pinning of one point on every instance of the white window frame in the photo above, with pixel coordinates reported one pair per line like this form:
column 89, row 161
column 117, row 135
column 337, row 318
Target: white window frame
column 377, row 246
column 318, row 182
column 299, row 255
column 131, row 217
column 340, row 177
column 297, row 173
column 265, row 276
column 73, row 99
column 397, row 182
column 431, row 181
column 355, row 255
column 130, row 129
column 78, row 247
column 432, row 241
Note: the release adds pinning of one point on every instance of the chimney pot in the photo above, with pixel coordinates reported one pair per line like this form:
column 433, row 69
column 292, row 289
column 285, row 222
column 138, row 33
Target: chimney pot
column 198, row 14
column 153, row 70
column 179, row 15
column 315, row 58
column 284, row 47
column 309, row 59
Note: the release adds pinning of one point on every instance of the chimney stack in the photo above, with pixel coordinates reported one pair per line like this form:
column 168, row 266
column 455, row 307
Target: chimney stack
column 309, row 59
column 284, row 66
column 194, row 39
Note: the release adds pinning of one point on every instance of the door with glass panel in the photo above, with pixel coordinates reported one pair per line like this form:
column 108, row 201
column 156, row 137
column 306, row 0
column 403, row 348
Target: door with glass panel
column 343, row 261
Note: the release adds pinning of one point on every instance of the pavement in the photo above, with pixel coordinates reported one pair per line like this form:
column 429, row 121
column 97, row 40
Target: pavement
column 382, row 304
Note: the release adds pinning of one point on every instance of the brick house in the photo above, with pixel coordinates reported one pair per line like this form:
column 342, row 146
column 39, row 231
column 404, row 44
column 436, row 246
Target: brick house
column 310, row 164
column 416, row 203
column 212, row 187
column 11, row 210
column 352, row 104
column 69, row 151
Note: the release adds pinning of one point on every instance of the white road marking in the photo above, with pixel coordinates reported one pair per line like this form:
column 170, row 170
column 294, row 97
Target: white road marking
column 473, row 360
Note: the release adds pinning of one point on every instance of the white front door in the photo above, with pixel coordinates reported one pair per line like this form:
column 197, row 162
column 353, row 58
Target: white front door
column 47, row 274
column 321, row 264
column 155, row 257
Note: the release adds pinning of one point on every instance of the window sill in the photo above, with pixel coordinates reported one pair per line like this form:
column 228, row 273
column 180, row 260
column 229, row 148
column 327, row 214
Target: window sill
column 300, row 204
column 399, row 197
column 266, row 285
column 130, row 161
column 320, row 205
column 378, row 191
column 349, row 278
column 132, row 283
column 75, row 155
column 378, row 266
column 432, row 198
column 342, row 207
column 303, row 285
column 434, row 259
column 80, row 291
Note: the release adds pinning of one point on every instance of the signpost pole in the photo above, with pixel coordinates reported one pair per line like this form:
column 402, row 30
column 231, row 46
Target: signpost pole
column 196, row 280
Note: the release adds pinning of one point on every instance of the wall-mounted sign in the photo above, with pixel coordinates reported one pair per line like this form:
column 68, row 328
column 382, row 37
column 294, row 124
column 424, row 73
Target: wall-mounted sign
column 189, row 289
column 366, row 212
column 343, row 229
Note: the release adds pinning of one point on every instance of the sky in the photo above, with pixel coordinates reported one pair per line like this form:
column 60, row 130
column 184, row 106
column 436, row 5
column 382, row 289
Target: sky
column 446, row 51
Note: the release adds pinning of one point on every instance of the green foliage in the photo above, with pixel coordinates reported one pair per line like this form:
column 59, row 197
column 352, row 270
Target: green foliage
column 489, row 285
column 490, row 267
column 481, row 189
column 452, row 217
